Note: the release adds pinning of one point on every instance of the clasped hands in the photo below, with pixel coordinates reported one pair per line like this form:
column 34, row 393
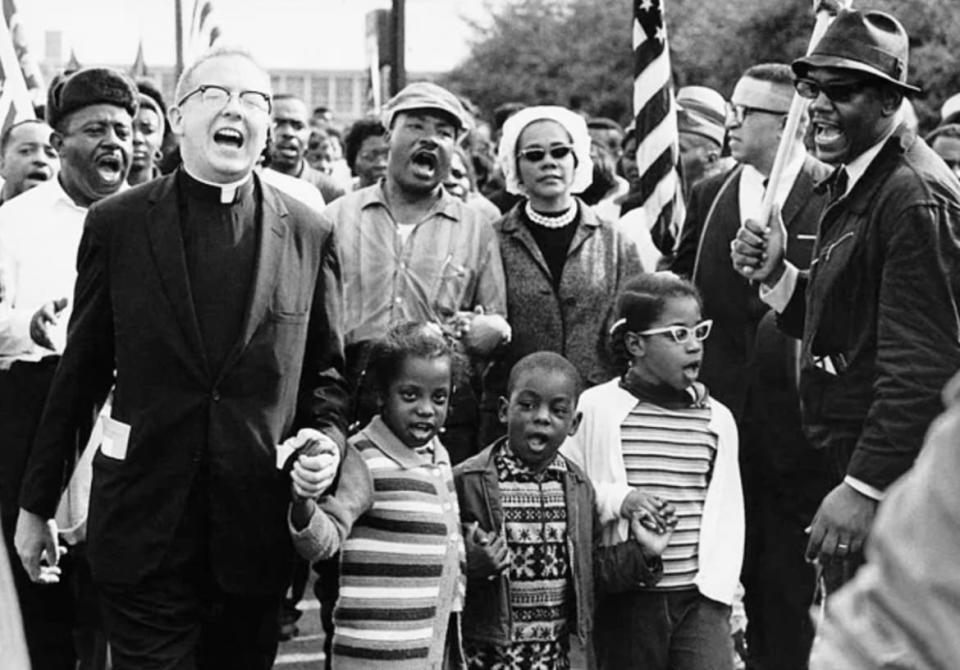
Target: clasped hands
column 316, row 463
column 652, row 521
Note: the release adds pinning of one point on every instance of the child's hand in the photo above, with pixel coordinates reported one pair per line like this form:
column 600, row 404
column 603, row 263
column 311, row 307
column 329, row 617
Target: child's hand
column 487, row 553
column 654, row 512
column 652, row 542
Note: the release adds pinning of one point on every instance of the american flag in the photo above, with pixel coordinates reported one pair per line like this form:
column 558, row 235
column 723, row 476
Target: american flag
column 204, row 29
column 656, row 125
column 16, row 103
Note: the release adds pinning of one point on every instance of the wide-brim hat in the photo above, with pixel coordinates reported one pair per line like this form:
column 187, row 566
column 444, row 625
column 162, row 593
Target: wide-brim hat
column 873, row 43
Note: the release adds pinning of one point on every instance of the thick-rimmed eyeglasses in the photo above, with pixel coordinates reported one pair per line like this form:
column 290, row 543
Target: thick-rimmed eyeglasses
column 682, row 334
column 836, row 91
column 738, row 113
column 536, row 154
column 219, row 96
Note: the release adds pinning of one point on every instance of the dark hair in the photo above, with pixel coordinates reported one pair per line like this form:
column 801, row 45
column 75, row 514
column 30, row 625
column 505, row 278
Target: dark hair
column 776, row 73
column 545, row 362
column 945, row 130
column 504, row 112
column 641, row 302
column 8, row 133
column 358, row 133
column 411, row 339
column 603, row 123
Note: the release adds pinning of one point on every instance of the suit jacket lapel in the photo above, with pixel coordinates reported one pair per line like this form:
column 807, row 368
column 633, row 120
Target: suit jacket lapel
column 166, row 240
column 267, row 271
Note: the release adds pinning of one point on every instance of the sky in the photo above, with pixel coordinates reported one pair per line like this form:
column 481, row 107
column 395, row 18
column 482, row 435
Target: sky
column 310, row 34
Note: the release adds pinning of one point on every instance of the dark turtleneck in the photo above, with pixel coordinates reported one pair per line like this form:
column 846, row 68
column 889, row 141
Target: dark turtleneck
column 554, row 243
column 220, row 246
column 664, row 395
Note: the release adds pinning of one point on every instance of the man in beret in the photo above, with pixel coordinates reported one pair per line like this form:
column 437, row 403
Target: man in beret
column 288, row 146
column 878, row 308
column 27, row 157
column 211, row 302
column 745, row 360
column 91, row 113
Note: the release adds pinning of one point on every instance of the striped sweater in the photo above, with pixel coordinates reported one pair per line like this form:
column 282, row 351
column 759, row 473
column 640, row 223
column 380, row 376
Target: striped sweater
column 395, row 519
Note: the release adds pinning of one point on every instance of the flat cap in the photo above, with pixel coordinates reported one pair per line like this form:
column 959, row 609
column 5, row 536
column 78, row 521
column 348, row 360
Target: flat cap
column 425, row 95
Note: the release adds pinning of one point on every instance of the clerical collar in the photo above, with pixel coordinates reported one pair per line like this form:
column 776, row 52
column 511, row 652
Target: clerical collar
column 225, row 194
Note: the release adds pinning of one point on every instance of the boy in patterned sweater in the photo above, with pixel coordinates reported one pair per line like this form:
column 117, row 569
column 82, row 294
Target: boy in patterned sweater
column 528, row 522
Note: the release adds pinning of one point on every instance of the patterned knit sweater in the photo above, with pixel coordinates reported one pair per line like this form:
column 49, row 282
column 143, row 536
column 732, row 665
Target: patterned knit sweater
column 395, row 519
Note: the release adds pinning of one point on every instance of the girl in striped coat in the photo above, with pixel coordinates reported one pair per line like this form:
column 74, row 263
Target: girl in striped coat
column 394, row 517
column 654, row 438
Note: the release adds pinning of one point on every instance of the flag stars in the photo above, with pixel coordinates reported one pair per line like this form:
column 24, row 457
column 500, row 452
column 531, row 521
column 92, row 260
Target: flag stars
column 661, row 34
column 646, row 5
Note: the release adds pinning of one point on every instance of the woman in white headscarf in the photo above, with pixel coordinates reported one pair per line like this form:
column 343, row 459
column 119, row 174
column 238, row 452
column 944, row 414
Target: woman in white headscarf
column 564, row 265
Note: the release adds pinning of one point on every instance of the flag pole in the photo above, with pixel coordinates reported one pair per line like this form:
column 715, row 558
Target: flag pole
column 826, row 11
column 178, row 26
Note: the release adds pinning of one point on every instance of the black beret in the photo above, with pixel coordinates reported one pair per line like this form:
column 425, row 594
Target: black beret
column 90, row 86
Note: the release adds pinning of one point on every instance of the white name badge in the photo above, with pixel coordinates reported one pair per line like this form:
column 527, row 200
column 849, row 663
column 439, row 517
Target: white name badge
column 116, row 435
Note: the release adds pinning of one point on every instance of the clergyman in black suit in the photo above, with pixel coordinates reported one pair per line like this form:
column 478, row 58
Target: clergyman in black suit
column 212, row 302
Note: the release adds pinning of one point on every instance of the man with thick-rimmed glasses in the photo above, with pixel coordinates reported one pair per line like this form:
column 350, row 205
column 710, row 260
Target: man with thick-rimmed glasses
column 212, row 301
column 746, row 361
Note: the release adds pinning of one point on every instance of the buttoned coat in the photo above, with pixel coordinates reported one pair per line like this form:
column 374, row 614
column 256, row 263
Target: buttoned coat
column 575, row 320
column 133, row 322
column 880, row 303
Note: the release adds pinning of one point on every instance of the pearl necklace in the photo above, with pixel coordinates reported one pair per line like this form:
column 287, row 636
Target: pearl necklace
column 550, row 221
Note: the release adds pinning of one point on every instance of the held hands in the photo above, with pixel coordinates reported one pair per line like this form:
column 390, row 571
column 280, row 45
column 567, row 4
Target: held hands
column 651, row 542
column 43, row 320
column 487, row 553
column 841, row 525
column 36, row 542
column 652, row 512
column 481, row 333
column 316, row 464
column 758, row 252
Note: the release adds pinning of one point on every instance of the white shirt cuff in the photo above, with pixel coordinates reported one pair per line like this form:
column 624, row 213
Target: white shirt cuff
column 863, row 488
column 779, row 296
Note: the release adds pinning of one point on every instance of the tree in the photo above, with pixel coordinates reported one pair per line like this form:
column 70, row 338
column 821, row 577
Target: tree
column 558, row 51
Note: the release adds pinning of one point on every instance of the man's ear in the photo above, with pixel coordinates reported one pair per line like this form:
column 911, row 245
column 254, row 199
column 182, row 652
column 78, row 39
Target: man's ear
column 175, row 116
column 890, row 100
column 56, row 141
column 502, row 405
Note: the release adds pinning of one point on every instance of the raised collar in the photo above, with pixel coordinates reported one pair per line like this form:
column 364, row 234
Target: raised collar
column 377, row 432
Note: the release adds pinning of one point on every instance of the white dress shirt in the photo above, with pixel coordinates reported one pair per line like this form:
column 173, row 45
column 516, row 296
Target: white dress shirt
column 40, row 233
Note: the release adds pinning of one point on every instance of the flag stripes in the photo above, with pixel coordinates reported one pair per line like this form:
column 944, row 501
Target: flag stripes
column 15, row 101
column 204, row 28
column 655, row 120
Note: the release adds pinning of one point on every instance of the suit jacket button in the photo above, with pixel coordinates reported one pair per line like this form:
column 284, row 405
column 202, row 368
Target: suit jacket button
column 215, row 395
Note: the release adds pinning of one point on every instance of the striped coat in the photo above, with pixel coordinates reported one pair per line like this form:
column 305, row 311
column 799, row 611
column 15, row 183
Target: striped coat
column 395, row 519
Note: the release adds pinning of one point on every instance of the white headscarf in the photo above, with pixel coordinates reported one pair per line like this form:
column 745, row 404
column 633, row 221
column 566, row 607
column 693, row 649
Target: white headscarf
column 575, row 126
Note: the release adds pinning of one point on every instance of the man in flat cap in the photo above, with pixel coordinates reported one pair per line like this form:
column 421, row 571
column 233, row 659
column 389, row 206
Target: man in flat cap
column 91, row 113
column 412, row 251
column 877, row 311
column 744, row 360
column 212, row 302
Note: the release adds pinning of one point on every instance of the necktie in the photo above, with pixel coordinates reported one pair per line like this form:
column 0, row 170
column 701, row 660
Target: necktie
column 838, row 184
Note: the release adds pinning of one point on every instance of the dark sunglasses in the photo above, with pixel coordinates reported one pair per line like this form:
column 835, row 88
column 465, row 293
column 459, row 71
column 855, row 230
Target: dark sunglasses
column 841, row 91
column 536, row 154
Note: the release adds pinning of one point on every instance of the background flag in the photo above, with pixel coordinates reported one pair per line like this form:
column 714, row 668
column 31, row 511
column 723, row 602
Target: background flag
column 15, row 101
column 204, row 29
column 656, row 126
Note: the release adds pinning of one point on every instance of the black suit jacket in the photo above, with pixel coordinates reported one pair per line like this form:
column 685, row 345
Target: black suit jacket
column 133, row 314
column 729, row 299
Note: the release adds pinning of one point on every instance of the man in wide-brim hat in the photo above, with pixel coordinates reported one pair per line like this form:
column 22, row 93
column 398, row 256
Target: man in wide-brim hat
column 877, row 311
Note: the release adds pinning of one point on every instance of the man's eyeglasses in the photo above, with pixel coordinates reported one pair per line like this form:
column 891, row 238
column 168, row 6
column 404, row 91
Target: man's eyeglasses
column 682, row 334
column 837, row 91
column 218, row 96
column 737, row 113
column 536, row 154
